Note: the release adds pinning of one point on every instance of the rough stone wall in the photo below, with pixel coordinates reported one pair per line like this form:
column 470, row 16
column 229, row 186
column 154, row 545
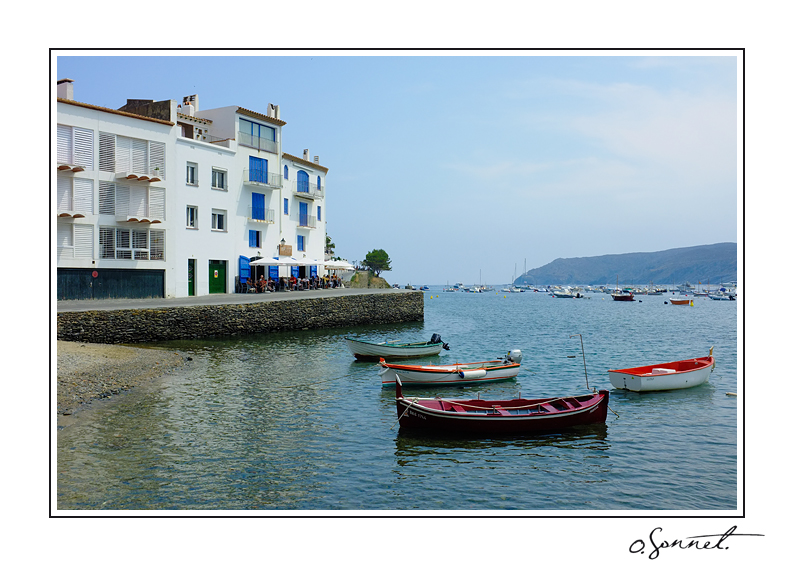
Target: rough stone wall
column 127, row 326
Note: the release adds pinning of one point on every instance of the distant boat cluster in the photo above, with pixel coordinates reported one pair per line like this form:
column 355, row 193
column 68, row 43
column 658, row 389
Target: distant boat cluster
column 722, row 292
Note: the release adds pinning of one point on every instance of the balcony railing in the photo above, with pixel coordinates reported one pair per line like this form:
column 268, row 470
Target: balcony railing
column 306, row 221
column 261, row 214
column 308, row 190
column 260, row 178
column 256, row 142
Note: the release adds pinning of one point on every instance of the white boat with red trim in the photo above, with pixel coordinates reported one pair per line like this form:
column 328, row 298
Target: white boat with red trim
column 452, row 374
column 665, row 376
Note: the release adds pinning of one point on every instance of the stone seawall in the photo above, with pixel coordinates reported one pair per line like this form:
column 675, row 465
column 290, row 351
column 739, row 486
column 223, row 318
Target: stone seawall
column 127, row 326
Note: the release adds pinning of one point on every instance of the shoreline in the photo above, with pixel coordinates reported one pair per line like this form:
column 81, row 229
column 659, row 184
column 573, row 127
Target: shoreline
column 90, row 371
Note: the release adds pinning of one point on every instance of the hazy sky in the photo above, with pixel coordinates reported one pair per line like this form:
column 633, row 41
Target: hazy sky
column 462, row 166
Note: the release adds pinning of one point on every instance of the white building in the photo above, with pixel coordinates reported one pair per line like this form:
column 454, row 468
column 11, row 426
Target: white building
column 165, row 199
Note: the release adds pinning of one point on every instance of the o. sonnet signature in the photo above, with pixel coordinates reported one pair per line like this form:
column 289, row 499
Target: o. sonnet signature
column 656, row 543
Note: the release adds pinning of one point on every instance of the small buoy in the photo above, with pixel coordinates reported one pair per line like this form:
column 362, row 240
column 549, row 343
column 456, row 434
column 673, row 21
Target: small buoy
column 730, row 394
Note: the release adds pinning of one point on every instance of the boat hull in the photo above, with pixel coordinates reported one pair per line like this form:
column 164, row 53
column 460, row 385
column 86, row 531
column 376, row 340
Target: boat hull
column 501, row 417
column 667, row 376
column 448, row 374
column 363, row 350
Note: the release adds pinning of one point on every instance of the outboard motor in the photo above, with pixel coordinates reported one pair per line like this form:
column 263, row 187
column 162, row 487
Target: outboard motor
column 513, row 356
column 436, row 338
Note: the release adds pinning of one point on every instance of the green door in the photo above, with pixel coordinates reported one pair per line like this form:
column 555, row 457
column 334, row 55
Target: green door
column 191, row 276
column 217, row 276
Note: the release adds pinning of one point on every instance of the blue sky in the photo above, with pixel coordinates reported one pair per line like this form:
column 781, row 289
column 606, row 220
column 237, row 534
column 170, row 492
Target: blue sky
column 465, row 167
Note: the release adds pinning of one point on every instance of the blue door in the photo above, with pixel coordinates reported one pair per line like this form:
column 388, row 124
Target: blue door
column 303, row 219
column 273, row 273
column 258, row 206
column 257, row 169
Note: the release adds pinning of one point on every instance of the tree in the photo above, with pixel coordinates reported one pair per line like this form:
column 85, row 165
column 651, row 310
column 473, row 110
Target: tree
column 377, row 261
column 329, row 246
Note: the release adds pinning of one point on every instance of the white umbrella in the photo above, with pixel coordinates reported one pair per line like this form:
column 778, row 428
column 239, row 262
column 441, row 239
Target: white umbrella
column 338, row 265
column 275, row 262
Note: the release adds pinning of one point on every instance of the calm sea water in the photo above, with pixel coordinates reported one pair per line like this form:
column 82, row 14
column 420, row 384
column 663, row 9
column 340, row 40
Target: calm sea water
column 291, row 422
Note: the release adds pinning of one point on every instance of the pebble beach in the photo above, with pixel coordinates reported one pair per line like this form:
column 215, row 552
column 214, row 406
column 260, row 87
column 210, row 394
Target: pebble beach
column 88, row 371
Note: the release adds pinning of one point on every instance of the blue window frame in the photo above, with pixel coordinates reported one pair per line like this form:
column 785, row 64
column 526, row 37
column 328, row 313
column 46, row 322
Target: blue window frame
column 286, row 206
column 319, row 184
column 319, row 213
column 257, row 206
column 286, row 172
column 257, row 169
column 303, row 182
column 254, row 238
column 301, row 244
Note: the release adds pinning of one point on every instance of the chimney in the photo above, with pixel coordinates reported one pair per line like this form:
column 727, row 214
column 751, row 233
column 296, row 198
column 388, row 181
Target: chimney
column 66, row 89
column 317, row 160
column 306, row 155
column 192, row 100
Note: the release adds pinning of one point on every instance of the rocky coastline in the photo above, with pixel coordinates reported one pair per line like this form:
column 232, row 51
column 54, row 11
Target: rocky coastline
column 88, row 371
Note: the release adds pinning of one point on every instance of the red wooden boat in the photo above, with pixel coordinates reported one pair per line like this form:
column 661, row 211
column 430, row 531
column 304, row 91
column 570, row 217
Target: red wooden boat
column 500, row 416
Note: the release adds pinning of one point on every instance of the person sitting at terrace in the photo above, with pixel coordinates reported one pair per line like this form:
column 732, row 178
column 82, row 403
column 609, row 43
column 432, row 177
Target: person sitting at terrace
column 271, row 285
column 260, row 284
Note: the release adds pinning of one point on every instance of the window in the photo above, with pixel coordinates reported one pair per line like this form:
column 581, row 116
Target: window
column 131, row 155
column 319, row 213
column 319, row 184
column 218, row 220
column 75, row 240
column 301, row 244
column 257, row 169
column 255, row 238
column 286, row 172
column 286, row 206
column 191, row 176
column 130, row 244
column 219, row 179
column 257, row 135
column 127, row 200
column 76, row 194
column 76, row 146
column 303, row 182
column 258, row 206
column 192, row 217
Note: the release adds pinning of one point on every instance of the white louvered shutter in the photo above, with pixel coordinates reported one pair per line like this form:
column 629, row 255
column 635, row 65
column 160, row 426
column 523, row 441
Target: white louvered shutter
column 107, row 198
column 157, row 159
column 123, row 154
column 83, row 241
column 107, row 152
column 83, row 195
column 157, row 203
column 140, row 156
column 64, row 144
column 138, row 201
column 83, row 148
column 156, row 244
column 64, row 194
column 122, row 200
column 64, row 236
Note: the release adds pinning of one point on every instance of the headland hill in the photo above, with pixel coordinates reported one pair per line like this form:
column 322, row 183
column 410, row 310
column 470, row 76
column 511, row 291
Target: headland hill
column 714, row 263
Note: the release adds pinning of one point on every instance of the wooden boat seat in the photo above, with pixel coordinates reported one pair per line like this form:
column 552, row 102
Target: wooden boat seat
column 456, row 407
column 501, row 410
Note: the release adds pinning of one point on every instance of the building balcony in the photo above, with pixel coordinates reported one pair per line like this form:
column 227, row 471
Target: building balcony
column 256, row 178
column 307, row 221
column 69, row 168
column 260, row 214
column 257, row 143
column 308, row 191
column 149, row 178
